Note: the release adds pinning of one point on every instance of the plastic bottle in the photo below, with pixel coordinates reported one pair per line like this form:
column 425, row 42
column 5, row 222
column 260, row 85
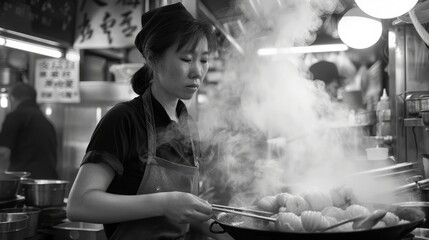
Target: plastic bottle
column 383, row 116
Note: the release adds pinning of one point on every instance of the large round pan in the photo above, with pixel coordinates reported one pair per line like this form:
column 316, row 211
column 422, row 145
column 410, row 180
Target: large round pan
column 230, row 223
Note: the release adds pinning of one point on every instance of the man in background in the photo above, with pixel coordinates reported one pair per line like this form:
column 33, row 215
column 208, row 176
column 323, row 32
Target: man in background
column 27, row 138
column 328, row 73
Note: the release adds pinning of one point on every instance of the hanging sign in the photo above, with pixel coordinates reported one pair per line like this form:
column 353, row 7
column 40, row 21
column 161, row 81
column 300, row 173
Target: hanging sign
column 107, row 23
column 57, row 81
column 48, row 19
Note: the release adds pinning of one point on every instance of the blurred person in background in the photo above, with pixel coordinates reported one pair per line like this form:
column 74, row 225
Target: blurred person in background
column 328, row 73
column 140, row 174
column 28, row 140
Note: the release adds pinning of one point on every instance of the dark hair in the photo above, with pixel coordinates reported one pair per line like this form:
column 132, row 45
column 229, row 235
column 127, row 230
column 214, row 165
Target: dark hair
column 159, row 41
column 23, row 91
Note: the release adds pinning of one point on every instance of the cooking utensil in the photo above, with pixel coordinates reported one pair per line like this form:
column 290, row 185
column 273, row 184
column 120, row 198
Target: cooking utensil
column 242, row 209
column 43, row 192
column 230, row 224
column 244, row 214
column 9, row 185
column 361, row 222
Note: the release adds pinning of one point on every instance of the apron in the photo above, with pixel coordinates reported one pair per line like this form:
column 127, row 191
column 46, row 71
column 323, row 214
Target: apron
column 160, row 175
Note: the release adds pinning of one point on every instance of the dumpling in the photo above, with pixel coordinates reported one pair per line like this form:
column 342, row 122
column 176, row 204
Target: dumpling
column 318, row 200
column 313, row 221
column 282, row 198
column 343, row 196
column 403, row 221
column 356, row 210
column 380, row 224
column 289, row 222
column 268, row 203
column 334, row 212
column 296, row 204
column 390, row 219
column 282, row 209
column 272, row 225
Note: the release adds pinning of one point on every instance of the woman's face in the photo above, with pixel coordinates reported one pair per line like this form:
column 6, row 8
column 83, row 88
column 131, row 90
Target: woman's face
column 179, row 74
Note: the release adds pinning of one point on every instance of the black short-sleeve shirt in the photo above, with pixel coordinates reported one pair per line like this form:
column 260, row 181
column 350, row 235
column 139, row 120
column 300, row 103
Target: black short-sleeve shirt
column 32, row 139
column 121, row 136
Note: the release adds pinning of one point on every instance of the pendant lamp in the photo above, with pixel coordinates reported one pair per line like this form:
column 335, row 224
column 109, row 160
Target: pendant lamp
column 359, row 30
column 386, row 8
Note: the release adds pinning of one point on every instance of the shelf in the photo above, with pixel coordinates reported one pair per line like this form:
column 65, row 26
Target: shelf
column 413, row 122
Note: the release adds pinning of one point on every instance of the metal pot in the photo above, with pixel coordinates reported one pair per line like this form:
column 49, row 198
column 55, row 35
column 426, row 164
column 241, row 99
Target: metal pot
column 33, row 218
column 79, row 230
column 44, row 192
column 9, row 185
column 12, row 226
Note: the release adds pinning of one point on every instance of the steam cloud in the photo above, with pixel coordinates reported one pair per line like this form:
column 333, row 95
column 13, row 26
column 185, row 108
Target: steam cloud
column 275, row 129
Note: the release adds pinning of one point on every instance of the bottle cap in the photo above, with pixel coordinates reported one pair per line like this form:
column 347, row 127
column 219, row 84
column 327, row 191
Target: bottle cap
column 384, row 96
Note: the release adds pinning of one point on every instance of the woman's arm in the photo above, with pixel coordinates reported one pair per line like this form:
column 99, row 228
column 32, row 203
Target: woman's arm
column 89, row 202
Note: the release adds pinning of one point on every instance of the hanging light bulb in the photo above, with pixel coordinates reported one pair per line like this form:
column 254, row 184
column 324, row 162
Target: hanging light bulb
column 386, row 8
column 359, row 30
column 4, row 103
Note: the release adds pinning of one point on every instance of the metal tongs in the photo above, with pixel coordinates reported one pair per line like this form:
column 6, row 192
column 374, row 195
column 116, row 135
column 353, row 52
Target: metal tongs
column 244, row 212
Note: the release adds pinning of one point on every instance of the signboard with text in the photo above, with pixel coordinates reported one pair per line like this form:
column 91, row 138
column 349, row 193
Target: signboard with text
column 57, row 81
column 107, row 23
column 48, row 19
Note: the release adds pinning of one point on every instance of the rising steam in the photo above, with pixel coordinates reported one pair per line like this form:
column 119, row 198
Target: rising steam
column 275, row 129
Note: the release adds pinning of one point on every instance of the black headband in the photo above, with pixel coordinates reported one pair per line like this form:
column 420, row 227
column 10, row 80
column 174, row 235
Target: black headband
column 158, row 18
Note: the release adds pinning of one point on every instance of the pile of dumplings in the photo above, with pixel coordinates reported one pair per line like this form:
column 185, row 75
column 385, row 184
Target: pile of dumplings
column 316, row 210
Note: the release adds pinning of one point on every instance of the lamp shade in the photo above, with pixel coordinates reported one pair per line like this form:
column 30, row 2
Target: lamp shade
column 359, row 30
column 386, row 8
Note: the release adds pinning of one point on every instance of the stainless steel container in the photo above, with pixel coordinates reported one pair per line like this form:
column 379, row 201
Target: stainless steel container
column 9, row 185
column 79, row 230
column 424, row 103
column 425, row 117
column 33, row 218
column 413, row 107
column 43, row 192
column 12, row 226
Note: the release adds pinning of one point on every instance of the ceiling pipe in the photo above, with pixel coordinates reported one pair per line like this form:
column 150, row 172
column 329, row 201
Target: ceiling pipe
column 219, row 26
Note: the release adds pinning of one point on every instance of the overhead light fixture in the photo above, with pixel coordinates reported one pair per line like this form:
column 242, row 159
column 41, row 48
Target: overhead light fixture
column 303, row 49
column 31, row 47
column 386, row 8
column 359, row 30
column 73, row 55
column 3, row 100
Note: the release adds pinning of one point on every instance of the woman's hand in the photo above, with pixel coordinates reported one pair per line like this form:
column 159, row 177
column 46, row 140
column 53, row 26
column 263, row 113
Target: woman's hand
column 186, row 208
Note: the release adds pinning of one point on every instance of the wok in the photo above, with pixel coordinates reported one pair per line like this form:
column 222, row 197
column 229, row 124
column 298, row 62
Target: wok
column 230, row 223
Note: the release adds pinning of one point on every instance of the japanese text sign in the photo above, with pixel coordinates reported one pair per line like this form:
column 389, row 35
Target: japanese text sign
column 57, row 81
column 107, row 23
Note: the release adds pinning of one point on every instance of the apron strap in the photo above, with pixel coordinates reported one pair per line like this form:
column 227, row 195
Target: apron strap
column 150, row 123
column 151, row 130
column 195, row 141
